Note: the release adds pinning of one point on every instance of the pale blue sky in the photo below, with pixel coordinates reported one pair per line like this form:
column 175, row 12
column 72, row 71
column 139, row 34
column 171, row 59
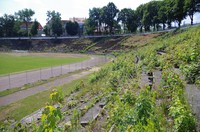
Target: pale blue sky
column 67, row 8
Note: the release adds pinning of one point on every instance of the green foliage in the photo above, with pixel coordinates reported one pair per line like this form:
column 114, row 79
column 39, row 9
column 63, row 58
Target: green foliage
column 98, row 75
column 46, row 30
column 128, row 97
column 51, row 115
column 128, row 18
column 184, row 121
column 190, row 7
column 75, row 120
column 72, row 28
column 178, row 11
column 56, row 96
column 89, row 26
column 95, row 20
column 192, row 72
column 9, row 27
column 49, row 119
column 54, row 22
column 72, row 104
column 25, row 16
column 121, row 115
column 79, row 86
column 110, row 13
column 144, row 107
column 34, row 28
column 179, row 111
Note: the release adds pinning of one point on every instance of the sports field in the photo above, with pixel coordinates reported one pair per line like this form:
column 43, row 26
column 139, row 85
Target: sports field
column 17, row 62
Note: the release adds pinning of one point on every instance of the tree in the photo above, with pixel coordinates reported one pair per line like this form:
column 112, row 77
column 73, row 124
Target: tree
column 46, row 30
column 178, row 11
column 8, row 26
column 169, row 12
column 154, row 9
column 128, row 19
column 162, row 13
column 72, row 28
column 147, row 19
column 123, row 16
column 150, row 15
column 140, row 14
column 34, row 28
column 1, row 27
column 89, row 26
column 25, row 16
column 95, row 15
column 132, row 22
column 110, row 13
column 191, row 7
column 54, row 22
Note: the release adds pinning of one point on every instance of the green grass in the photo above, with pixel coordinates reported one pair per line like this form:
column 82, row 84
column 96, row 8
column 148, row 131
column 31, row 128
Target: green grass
column 10, row 63
column 26, row 106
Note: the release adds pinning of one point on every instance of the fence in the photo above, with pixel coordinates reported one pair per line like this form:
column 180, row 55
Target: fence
column 18, row 80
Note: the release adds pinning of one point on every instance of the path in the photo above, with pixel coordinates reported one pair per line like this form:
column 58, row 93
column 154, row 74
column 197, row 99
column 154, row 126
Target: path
column 25, row 93
column 20, row 79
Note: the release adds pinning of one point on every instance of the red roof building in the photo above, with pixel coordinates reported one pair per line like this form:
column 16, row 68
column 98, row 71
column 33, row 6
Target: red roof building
column 23, row 26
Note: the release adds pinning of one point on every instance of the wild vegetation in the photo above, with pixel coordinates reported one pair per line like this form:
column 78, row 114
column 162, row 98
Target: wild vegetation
column 130, row 104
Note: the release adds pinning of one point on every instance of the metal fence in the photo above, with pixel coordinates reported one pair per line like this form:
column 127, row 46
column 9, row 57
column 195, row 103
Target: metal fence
column 18, row 80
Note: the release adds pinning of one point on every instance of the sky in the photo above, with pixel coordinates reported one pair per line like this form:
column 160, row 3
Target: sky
column 67, row 8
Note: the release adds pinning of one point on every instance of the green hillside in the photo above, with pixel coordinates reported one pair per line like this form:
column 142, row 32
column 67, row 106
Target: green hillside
column 143, row 90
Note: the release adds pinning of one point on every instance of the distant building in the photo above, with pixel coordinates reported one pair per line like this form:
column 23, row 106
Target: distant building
column 23, row 27
column 80, row 21
column 64, row 23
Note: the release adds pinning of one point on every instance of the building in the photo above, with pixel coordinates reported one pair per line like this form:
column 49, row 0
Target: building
column 80, row 21
column 64, row 23
column 23, row 27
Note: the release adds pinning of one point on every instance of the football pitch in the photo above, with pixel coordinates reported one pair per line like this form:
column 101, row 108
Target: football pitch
column 18, row 62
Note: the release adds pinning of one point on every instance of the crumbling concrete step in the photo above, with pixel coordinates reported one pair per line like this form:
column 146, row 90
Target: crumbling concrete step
column 145, row 81
column 193, row 95
column 157, row 76
column 91, row 114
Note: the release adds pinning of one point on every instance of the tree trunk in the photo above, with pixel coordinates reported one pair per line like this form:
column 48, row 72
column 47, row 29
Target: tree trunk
column 163, row 26
column 124, row 28
column 154, row 27
column 191, row 17
column 169, row 24
column 179, row 24
column 110, row 29
column 141, row 29
column 157, row 26
column 27, row 27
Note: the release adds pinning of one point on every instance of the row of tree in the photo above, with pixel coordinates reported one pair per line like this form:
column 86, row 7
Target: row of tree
column 152, row 14
column 107, row 19
column 10, row 24
column 55, row 26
